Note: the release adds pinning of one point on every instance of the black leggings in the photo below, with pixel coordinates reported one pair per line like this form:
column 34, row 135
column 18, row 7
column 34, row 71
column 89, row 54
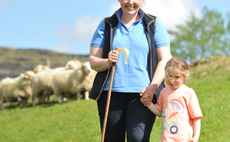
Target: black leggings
column 126, row 114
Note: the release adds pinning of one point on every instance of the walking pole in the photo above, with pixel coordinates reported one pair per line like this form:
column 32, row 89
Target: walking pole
column 109, row 92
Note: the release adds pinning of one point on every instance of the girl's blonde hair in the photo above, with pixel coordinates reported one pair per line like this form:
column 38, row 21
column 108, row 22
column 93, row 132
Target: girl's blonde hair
column 180, row 64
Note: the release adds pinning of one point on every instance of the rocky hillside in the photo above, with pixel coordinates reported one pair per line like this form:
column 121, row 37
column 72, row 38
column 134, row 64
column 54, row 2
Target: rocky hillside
column 16, row 61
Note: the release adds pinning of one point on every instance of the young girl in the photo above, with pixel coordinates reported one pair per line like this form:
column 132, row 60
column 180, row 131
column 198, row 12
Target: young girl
column 178, row 105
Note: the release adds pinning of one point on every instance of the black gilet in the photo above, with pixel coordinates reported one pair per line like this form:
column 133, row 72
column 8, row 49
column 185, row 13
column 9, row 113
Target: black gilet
column 110, row 29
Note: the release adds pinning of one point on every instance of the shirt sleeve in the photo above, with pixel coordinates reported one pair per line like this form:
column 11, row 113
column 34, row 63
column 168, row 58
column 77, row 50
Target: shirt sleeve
column 98, row 36
column 193, row 106
column 161, row 36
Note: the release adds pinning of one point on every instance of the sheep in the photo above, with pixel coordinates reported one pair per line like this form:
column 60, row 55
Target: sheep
column 69, row 82
column 69, row 65
column 73, row 64
column 88, row 82
column 16, row 89
column 43, row 81
column 39, row 68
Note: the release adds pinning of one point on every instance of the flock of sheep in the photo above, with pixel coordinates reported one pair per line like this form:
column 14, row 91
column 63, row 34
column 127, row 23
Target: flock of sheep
column 64, row 82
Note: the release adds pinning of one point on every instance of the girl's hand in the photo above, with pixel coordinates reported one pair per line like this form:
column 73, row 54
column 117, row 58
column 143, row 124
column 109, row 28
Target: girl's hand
column 113, row 56
column 147, row 95
column 194, row 139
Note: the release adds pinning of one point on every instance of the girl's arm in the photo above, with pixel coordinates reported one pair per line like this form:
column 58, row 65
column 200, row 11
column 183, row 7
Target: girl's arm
column 196, row 126
column 154, row 109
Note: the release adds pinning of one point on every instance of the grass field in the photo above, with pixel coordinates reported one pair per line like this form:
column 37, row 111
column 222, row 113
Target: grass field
column 78, row 121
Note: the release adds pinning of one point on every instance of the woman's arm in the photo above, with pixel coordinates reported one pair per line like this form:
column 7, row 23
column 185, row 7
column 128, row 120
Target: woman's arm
column 196, row 129
column 98, row 63
column 163, row 55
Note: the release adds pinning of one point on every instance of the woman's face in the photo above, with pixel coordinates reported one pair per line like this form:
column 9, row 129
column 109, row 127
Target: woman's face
column 130, row 7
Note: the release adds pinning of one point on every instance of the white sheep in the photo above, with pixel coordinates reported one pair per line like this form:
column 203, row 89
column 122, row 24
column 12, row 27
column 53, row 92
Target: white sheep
column 69, row 65
column 16, row 89
column 43, row 81
column 39, row 68
column 88, row 82
column 70, row 82
column 73, row 64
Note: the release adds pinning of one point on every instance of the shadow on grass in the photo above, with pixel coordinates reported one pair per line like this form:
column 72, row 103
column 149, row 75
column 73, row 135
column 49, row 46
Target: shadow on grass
column 48, row 104
column 14, row 105
column 29, row 105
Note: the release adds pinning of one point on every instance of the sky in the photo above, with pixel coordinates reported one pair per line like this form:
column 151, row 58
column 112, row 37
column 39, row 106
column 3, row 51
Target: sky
column 67, row 26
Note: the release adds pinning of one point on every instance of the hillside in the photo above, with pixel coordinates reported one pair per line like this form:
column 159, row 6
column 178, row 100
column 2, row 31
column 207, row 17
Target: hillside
column 16, row 61
column 78, row 121
column 208, row 67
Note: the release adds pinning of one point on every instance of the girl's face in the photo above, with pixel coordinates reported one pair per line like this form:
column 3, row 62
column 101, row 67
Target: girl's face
column 174, row 78
column 130, row 6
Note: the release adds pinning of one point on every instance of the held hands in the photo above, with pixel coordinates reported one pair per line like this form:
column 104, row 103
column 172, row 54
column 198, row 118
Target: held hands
column 147, row 95
column 113, row 56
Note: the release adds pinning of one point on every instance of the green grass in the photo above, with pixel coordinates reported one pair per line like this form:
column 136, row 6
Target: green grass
column 78, row 121
column 71, row 121
column 213, row 94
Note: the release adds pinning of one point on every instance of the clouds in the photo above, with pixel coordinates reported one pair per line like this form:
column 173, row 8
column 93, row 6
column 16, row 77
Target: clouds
column 171, row 12
column 82, row 31
column 78, row 36
column 62, row 48
column 69, row 24
column 85, row 27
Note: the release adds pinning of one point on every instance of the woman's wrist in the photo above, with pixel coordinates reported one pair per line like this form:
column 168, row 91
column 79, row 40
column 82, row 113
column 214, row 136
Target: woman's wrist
column 154, row 86
column 109, row 63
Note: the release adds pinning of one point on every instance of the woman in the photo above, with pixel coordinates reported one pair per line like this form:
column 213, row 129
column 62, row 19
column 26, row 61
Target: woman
column 149, row 49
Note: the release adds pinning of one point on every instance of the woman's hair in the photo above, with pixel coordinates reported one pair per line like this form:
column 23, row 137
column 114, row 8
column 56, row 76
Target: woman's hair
column 180, row 64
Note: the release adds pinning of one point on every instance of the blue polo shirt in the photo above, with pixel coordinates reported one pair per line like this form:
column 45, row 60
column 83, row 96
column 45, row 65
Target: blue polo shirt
column 135, row 75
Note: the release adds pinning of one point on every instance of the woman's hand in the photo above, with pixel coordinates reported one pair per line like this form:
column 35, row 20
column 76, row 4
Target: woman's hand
column 98, row 63
column 147, row 95
column 113, row 56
